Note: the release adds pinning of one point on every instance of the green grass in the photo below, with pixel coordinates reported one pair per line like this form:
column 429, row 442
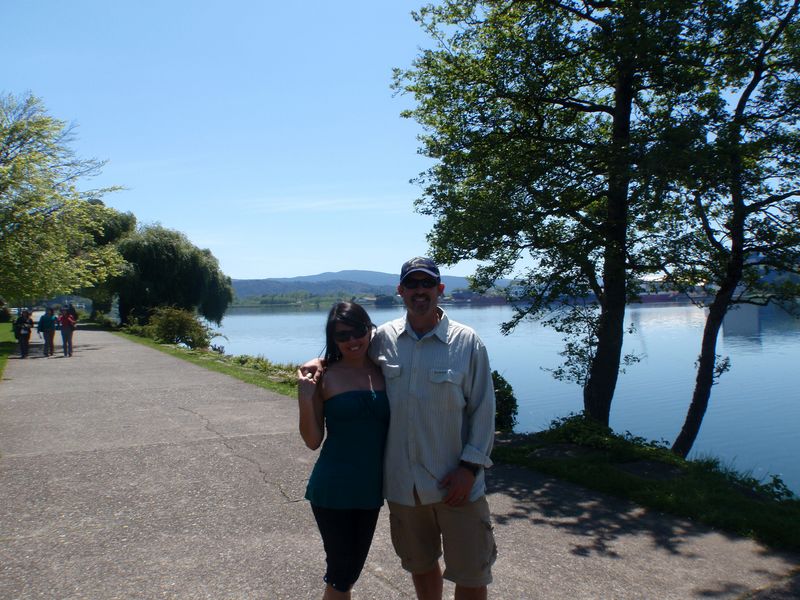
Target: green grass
column 702, row 490
column 251, row 369
column 8, row 345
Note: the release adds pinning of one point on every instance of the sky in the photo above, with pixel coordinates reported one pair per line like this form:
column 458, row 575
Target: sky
column 265, row 131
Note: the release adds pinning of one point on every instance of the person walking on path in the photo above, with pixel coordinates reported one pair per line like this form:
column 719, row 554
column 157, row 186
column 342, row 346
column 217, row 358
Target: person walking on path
column 47, row 328
column 441, row 433
column 23, row 327
column 66, row 322
column 345, row 487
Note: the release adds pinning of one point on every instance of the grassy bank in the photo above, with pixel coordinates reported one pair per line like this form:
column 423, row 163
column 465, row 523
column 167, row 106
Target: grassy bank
column 256, row 370
column 649, row 474
column 8, row 344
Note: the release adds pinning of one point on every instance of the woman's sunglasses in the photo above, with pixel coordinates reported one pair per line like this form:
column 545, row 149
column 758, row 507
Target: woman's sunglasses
column 427, row 283
column 350, row 334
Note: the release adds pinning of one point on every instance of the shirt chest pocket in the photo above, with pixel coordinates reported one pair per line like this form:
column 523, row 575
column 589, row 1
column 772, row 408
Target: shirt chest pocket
column 447, row 388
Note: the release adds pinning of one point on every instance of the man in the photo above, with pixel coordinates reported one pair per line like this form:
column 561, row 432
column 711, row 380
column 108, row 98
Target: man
column 441, row 433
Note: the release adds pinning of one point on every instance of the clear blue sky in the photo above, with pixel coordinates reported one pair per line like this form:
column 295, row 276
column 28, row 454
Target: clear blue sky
column 265, row 131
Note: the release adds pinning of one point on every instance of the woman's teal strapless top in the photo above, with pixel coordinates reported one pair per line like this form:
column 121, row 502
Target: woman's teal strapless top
column 349, row 470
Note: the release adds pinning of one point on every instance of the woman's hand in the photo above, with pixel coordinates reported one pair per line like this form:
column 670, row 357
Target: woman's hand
column 311, row 370
column 307, row 383
column 309, row 397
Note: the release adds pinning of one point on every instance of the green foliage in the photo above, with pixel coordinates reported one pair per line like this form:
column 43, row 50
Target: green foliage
column 557, row 129
column 168, row 325
column 177, row 326
column 48, row 227
column 583, row 431
column 104, row 321
column 115, row 227
column 166, row 269
column 605, row 141
column 579, row 324
column 506, row 403
column 8, row 344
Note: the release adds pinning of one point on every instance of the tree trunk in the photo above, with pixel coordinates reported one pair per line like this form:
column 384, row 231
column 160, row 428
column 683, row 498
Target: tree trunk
column 604, row 370
column 705, row 374
column 603, row 373
column 734, row 269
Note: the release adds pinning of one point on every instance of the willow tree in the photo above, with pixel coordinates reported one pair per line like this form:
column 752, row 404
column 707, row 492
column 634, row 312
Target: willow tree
column 740, row 231
column 165, row 269
column 550, row 128
column 115, row 226
column 47, row 223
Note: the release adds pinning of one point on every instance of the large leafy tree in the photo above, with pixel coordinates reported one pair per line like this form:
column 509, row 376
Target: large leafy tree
column 47, row 224
column 555, row 126
column 115, row 227
column 165, row 269
column 739, row 231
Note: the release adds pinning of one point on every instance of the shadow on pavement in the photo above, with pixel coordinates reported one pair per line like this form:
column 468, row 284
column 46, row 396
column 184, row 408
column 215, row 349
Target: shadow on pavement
column 586, row 514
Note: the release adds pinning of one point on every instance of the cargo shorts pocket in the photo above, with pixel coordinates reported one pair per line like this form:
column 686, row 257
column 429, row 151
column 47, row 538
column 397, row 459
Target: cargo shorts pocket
column 415, row 538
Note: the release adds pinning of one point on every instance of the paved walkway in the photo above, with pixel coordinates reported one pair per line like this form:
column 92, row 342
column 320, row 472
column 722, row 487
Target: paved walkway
column 127, row 473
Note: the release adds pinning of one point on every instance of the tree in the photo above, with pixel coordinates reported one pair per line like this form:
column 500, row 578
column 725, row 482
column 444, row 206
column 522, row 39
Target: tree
column 47, row 225
column 166, row 269
column 740, row 231
column 551, row 122
column 506, row 410
column 115, row 226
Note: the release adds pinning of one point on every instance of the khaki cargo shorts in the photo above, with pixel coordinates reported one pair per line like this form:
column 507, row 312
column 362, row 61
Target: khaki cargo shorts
column 465, row 532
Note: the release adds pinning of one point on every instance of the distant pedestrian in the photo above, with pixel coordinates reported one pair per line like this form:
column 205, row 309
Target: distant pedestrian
column 23, row 327
column 66, row 323
column 47, row 327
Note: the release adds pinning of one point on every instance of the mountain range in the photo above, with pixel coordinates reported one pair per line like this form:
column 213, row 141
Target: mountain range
column 353, row 282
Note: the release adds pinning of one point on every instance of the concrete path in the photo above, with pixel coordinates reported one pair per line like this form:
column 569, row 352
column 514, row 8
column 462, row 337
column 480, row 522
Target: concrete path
column 127, row 473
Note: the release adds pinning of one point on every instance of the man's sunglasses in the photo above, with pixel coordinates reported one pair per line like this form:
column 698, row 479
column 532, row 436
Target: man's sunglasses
column 350, row 334
column 427, row 283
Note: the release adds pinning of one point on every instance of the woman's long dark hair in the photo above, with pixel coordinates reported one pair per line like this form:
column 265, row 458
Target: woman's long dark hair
column 348, row 313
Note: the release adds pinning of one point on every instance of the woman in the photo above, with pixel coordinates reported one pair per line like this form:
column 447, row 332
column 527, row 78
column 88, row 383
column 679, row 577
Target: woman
column 66, row 323
column 23, row 327
column 345, row 489
column 47, row 327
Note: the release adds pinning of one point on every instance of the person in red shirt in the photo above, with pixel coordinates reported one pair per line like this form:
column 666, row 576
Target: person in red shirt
column 66, row 322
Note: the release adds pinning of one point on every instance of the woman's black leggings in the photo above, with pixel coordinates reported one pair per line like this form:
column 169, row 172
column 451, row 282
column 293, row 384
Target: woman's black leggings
column 346, row 536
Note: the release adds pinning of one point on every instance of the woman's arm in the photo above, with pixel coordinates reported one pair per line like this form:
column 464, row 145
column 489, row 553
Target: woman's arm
column 309, row 401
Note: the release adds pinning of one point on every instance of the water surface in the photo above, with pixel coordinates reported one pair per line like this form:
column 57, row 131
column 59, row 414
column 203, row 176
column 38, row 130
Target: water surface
column 754, row 412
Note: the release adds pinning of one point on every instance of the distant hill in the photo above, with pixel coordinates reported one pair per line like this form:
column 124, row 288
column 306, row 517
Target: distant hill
column 356, row 283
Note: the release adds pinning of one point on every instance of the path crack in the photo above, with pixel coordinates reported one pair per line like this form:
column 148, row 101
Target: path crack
column 227, row 443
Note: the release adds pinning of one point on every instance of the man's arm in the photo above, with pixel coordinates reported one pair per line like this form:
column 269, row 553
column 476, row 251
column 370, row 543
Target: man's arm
column 480, row 413
column 480, row 410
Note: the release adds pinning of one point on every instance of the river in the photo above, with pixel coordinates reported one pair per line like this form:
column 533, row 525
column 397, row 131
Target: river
column 754, row 413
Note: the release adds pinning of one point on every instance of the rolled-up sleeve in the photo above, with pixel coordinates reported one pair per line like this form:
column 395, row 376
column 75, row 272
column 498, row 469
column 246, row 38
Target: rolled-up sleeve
column 480, row 410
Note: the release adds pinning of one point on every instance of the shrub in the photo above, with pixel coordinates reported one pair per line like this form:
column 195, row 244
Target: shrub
column 5, row 315
column 506, row 407
column 105, row 321
column 178, row 326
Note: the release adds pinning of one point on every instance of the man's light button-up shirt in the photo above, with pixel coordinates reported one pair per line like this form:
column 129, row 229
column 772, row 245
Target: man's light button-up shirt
column 442, row 407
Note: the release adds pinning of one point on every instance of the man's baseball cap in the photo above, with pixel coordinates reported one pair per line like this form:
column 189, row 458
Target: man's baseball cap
column 421, row 264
